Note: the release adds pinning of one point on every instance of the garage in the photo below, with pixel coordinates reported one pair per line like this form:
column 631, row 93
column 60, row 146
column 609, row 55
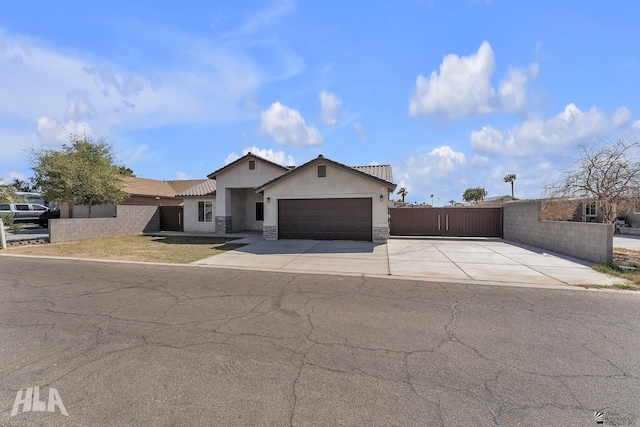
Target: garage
column 325, row 219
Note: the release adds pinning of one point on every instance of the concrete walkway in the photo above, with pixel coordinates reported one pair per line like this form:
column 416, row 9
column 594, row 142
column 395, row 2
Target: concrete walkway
column 486, row 261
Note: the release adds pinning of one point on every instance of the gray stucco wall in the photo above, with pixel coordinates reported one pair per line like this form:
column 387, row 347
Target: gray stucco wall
column 130, row 220
column 588, row 241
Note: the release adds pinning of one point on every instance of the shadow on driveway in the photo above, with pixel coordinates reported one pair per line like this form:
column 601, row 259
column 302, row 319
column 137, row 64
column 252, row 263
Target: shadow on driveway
column 297, row 247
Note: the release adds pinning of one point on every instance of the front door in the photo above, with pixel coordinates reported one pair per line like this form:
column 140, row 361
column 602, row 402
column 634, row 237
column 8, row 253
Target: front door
column 171, row 218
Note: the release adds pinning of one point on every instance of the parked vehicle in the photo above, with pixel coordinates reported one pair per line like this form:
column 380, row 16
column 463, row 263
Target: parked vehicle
column 24, row 212
column 47, row 215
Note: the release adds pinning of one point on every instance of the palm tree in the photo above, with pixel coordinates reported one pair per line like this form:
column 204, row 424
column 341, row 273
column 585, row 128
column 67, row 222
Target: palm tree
column 452, row 202
column 403, row 192
column 510, row 178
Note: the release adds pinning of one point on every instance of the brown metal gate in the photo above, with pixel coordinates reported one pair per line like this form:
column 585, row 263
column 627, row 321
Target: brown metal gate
column 171, row 218
column 455, row 222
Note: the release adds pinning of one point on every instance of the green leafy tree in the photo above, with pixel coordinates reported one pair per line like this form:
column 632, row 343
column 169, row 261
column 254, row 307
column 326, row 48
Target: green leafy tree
column 403, row 193
column 21, row 185
column 474, row 195
column 82, row 172
column 510, row 178
column 125, row 171
column 7, row 193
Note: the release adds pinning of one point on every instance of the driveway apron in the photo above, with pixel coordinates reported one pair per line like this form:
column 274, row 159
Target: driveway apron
column 477, row 260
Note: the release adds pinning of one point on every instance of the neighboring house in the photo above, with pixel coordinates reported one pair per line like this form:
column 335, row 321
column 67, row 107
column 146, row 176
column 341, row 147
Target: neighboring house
column 322, row 199
column 141, row 192
column 588, row 211
column 496, row 201
column 152, row 192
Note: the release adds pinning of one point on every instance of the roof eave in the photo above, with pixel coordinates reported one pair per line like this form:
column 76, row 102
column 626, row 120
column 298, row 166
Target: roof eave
column 213, row 175
column 390, row 185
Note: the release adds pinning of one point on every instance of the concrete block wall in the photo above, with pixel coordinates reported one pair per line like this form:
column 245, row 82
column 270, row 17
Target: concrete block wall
column 588, row 241
column 129, row 220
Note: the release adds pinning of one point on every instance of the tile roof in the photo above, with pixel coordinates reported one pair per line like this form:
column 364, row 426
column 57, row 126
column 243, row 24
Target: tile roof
column 206, row 188
column 152, row 187
column 379, row 171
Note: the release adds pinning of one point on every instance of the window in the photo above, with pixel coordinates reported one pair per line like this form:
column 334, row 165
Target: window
column 39, row 208
column 590, row 210
column 252, row 165
column 4, row 208
column 22, row 207
column 322, row 171
column 259, row 211
column 205, row 211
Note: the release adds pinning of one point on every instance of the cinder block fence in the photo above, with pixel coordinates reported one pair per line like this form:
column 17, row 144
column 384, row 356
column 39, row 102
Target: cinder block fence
column 129, row 220
column 589, row 241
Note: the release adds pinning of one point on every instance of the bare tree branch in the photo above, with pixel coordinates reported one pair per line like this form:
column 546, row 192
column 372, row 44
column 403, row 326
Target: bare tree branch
column 605, row 172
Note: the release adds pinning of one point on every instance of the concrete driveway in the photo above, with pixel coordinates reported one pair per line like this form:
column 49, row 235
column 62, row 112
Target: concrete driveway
column 29, row 232
column 479, row 260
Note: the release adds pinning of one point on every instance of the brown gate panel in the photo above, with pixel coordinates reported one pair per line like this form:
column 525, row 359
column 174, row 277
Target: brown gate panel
column 458, row 222
column 414, row 221
column 472, row 222
column 171, row 218
column 325, row 219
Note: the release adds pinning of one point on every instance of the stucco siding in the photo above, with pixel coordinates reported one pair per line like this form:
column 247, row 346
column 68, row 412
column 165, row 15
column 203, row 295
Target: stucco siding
column 338, row 183
column 240, row 176
column 191, row 222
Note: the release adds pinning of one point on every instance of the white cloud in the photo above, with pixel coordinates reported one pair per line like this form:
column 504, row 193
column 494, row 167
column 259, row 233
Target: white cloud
column 231, row 158
column 10, row 176
column 182, row 175
column 636, row 124
column 513, row 90
column 330, row 106
column 535, row 136
column 279, row 157
column 360, row 130
column 55, row 133
column 288, row 127
column 210, row 84
column 263, row 18
column 437, row 172
column 463, row 87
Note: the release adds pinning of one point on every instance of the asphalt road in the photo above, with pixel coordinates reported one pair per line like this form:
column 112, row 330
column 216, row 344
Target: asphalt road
column 131, row 344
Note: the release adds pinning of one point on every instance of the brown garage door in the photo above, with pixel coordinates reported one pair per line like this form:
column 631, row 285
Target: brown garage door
column 325, row 219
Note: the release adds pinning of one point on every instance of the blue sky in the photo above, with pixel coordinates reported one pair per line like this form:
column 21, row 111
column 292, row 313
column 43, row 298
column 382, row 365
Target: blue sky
column 452, row 93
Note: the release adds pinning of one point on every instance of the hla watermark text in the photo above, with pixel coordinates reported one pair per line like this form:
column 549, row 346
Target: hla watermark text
column 31, row 402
